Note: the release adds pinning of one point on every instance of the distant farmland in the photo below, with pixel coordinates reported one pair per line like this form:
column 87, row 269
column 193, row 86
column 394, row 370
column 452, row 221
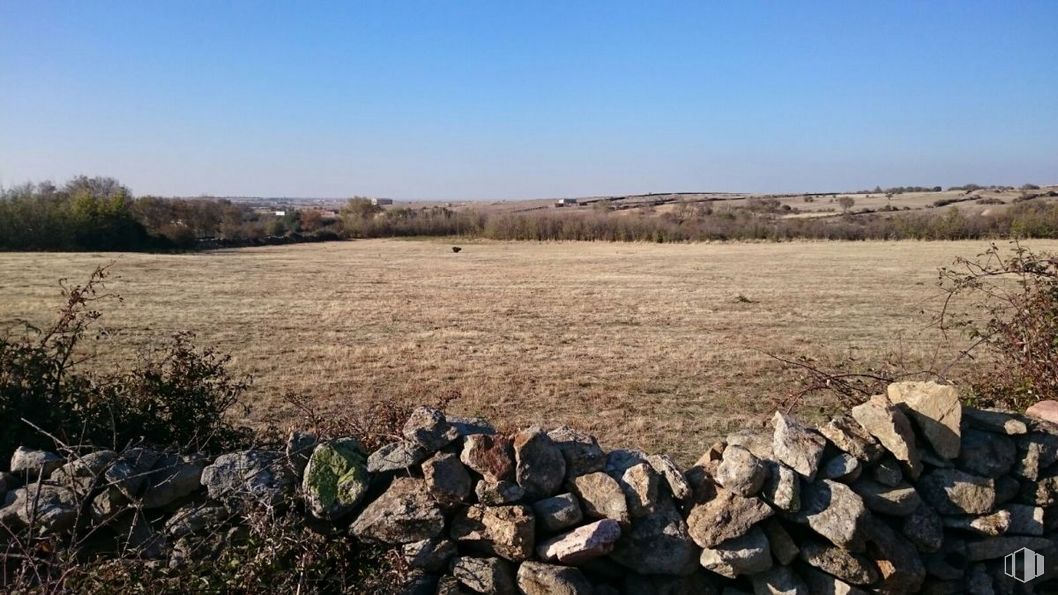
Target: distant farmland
column 655, row 345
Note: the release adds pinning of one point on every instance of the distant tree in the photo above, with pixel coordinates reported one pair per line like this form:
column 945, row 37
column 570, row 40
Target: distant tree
column 846, row 203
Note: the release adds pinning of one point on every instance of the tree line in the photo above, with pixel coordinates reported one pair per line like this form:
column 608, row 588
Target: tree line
column 101, row 214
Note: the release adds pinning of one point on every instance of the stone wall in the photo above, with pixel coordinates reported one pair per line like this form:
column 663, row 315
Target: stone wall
column 908, row 492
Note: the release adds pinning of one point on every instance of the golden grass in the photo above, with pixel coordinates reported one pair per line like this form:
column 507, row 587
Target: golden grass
column 643, row 345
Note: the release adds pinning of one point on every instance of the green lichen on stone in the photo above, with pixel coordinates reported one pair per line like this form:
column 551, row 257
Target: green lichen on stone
column 336, row 478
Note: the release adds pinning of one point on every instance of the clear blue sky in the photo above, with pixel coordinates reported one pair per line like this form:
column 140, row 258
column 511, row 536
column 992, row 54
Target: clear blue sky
column 462, row 99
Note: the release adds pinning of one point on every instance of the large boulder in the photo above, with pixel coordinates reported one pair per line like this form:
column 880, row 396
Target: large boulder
column 130, row 470
column 82, row 474
column 504, row 531
column 489, row 455
column 1000, row 422
column 299, row 448
column 890, row 426
column 335, row 480
column 581, row 544
column 537, row 578
column 748, row 554
column 936, row 409
column 725, row 516
column 782, row 489
column 951, row 491
column 797, row 446
column 601, row 496
column 259, row 477
column 404, row 513
column 834, row 511
column 540, row 467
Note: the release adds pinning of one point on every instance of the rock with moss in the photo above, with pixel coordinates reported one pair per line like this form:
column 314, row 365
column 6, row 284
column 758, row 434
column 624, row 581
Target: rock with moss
column 336, row 479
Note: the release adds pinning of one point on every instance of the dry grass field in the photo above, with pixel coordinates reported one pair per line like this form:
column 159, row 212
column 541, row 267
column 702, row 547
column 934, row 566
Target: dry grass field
column 641, row 344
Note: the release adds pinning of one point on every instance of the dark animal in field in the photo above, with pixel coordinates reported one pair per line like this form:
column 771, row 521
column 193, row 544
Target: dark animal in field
column 456, row 249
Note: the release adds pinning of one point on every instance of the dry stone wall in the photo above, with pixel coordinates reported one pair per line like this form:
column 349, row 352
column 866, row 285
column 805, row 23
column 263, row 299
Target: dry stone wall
column 907, row 492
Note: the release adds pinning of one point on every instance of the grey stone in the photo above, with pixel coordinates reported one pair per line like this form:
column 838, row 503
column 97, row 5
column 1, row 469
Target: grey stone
column 299, row 448
column 485, row 575
column 1025, row 519
column 537, row 578
column 999, row 422
column 888, row 472
column 998, row 547
column 602, row 497
column 431, row 555
column 31, row 465
column 82, row 474
column 620, row 460
column 847, row 566
column 129, row 471
column 396, row 456
column 992, row 524
column 504, row 531
column 253, row 476
column 950, row 491
column 499, row 493
column 427, row 427
column 404, row 513
column 778, row 580
column 540, row 466
column 557, row 512
column 783, row 547
column 1042, row 492
column 741, row 472
column 173, row 477
column 821, row 583
column 849, row 436
column 891, row 427
column 1046, row 443
column 670, row 472
column 1007, row 488
column 842, row 467
column 581, row 451
column 192, row 519
column 901, row 500
column 447, row 479
column 468, row 426
column 725, row 516
column 48, row 508
column 897, row 559
column 491, row 456
column 581, row 544
column 796, row 446
column 782, row 488
column 834, row 511
column 640, row 486
column 935, row 409
column 986, row 454
column 657, row 543
column 924, row 528
column 748, row 554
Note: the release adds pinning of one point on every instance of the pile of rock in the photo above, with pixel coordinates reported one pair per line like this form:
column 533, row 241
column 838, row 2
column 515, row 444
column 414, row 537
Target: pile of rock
column 907, row 492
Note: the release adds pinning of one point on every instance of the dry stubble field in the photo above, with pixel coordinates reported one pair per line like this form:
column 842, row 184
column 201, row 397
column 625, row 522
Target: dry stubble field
column 643, row 345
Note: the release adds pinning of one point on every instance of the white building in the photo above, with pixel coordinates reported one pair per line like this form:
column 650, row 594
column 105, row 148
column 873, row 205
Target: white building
column 378, row 202
column 566, row 202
